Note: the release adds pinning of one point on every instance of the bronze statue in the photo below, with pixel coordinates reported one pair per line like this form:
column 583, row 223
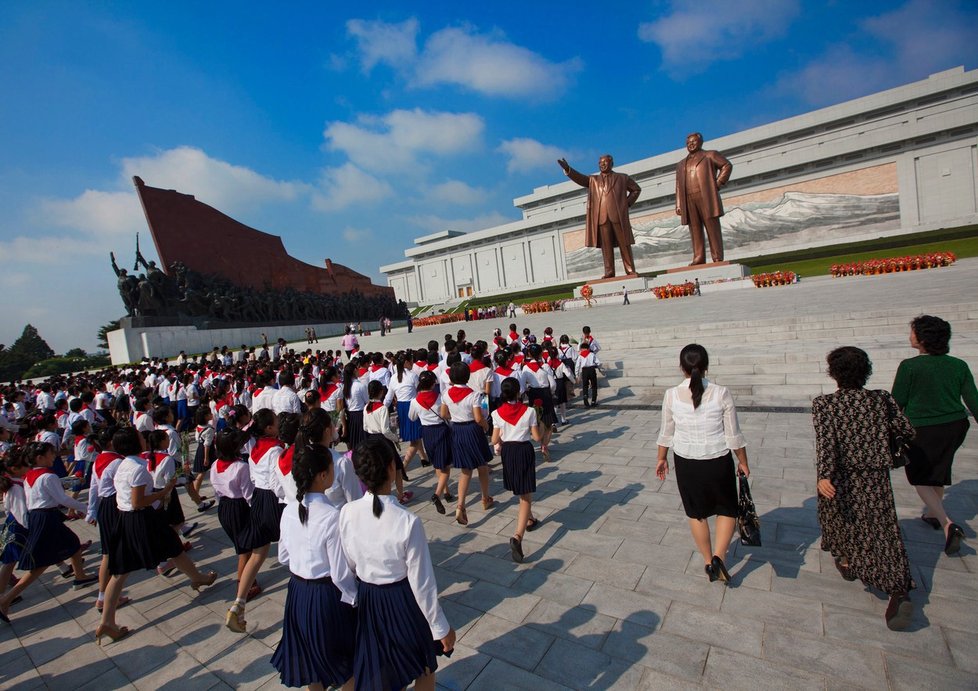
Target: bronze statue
column 699, row 178
column 607, row 225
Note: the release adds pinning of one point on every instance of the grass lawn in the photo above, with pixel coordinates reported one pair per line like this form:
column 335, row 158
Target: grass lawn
column 962, row 247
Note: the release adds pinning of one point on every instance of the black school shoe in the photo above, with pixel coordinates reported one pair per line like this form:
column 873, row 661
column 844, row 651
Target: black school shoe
column 439, row 507
column 953, row 543
column 899, row 611
column 516, row 550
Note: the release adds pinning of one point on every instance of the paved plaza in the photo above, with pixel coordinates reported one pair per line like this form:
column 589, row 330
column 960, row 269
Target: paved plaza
column 612, row 594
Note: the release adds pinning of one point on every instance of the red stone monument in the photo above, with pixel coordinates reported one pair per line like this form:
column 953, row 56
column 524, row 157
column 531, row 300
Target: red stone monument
column 210, row 242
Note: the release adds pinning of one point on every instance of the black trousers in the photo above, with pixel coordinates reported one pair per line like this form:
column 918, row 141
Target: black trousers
column 589, row 375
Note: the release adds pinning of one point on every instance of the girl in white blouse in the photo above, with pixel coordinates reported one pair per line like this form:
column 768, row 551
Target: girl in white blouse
column 354, row 401
column 400, row 625
column 470, row 450
column 699, row 422
column 319, row 623
column 48, row 539
column 435, row 435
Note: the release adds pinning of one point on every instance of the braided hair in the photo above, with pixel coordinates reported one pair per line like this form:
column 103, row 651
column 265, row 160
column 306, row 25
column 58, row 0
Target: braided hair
column 288, row 427
column 313, row 426
column 372, row 460
column 309, row 462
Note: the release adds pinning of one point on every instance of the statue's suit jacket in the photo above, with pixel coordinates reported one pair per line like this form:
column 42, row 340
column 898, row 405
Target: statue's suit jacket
column 712, row 171
column 624, row 191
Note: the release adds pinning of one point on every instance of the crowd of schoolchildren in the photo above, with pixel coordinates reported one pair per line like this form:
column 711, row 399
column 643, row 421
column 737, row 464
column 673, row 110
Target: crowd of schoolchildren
column 307, row 450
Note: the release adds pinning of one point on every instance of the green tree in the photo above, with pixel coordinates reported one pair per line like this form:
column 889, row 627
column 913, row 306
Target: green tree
column 25, row 351
column 103, row 337
column 76, row 353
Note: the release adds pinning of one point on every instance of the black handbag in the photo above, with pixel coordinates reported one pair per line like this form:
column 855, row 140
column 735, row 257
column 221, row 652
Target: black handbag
column 748, row 525
column 899, row 443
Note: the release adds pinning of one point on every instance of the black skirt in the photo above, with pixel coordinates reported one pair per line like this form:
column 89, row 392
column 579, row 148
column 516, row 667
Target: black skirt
column 437, row 441
column 49, row 540
column 470, row 449
column 198, row 466
column 107, row 517
column 354, row 428
column 144, row 541
column 172, row 511
column 398, row 461
column 234, row 515
column 519, row 467
column 13, row 538
column 542, row 394
column 318, row 631
column 707, row 487
column 561, row 393
column 394, row 645
column 932, row 453
column 266, row 514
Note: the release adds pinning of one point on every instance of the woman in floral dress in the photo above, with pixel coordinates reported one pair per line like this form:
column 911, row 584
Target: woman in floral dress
column 855, row 497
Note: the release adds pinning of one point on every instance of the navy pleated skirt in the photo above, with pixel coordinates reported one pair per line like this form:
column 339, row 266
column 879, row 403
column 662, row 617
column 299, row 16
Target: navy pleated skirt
column 398, row 461
column 438, row 445
column 394, row 645
column 198, row 466
column 354, row 428
column 108, row 523
column 318, row 631
column 542, row 394
column 144, row 540
column 13, row 538
column 408, row 429
column 266, row 514
column 519, row 467
column 49, row 540
column 172, row 511
column 234, row 515
column 469, row 446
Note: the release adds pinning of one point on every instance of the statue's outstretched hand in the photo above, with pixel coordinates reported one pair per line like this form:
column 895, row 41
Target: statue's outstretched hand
column 562, row 162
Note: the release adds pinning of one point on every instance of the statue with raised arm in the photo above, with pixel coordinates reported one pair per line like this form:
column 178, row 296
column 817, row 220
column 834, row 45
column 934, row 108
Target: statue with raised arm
column 699, row 178
column 128, row 287
column 607, row 224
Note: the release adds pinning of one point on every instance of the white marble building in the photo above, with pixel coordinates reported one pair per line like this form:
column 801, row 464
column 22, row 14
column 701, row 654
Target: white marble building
column 895, row 162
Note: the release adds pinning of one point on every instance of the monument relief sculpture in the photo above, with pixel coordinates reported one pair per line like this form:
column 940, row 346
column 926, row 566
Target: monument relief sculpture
column 607, row 224
column 699, row 178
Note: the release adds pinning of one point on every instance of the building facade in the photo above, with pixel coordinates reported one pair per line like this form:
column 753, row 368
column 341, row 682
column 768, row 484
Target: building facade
column 895, row 162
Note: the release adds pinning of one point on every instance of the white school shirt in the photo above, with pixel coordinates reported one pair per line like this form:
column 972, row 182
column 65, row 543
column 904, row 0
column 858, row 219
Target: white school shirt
column 699, row 433
column 378, row 421
column 45, row 491
column 263, row 399
column 286, row 400
column 495, row 390
column 232, row 480
column 404, row 390
column 593, row 347
column 346, row 485
column 165, row 468
column 381, row 374
column 314, row 550
column 461, row 411
column 479, row 377
column 131, row 473
column 173, row 440
column 283, row 484
column 51, row 438
column 358, row 396
column 45, row 401
column 429, row 417
column 589, row 360
column 103, row 484
column 15, row 501
column 390, row 548
column 543, row 378
column 329, row 402
column 261, row 459
column 143, row 422
column 518, row 432
column 85, row 451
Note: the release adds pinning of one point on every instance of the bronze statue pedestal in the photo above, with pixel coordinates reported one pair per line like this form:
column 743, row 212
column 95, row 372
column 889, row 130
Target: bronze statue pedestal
column 610, row 286
column 698, row 267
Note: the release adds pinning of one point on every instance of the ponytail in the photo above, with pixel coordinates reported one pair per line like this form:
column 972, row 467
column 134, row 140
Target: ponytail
column 694, row 362
column 308, row 462
column 399, row 362
column 372, row 460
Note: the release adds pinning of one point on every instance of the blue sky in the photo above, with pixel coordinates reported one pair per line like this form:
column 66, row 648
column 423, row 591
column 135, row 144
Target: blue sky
column 349, row 132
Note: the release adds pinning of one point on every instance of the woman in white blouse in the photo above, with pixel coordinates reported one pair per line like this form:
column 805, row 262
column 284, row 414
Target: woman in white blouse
column 699, row 423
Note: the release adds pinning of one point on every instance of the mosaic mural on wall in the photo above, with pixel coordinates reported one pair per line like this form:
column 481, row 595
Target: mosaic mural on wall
column 788, row 217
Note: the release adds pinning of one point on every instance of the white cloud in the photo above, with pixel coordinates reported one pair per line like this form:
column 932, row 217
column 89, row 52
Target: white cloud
column 460, row 56
column 400, row 139
column 527, row 154
column 893, row 48
column 432, row 222
column 46, row 251
column 455, row 192
column 96, row 212
column 355, row 235
column 347, row 185
column 696, row 34
column 381, row 42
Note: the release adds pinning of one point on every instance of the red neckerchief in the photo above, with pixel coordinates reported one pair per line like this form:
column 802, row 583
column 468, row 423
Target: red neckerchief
column 104, row 460
column 58, row 414
column 362, row 371
column 457, row 393
column 329, row 391
column 554, row 364
column 34, row 473
column 548, row 338
column 223, row 465
column 511, row 412
column 516, row 359
column 426, row 399
column 84, row 407
column 585, row 351
column 262, row 446
column 257, row 392
column 374, row 405
column 533, row 365
column 421, row 364
column 374, row 368
column 432, row 368
column 513, row 336
column 151, row 460
column 285, row 460
column 504, row 371
column 476, row 365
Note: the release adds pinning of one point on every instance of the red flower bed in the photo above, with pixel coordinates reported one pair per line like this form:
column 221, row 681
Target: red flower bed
column 679, row 290
column 439, row 319
column 774, row 278
column 536, row 307
column 889, row 265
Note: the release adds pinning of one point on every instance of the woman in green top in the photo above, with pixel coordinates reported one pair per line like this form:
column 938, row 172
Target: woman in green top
column 930, row 388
